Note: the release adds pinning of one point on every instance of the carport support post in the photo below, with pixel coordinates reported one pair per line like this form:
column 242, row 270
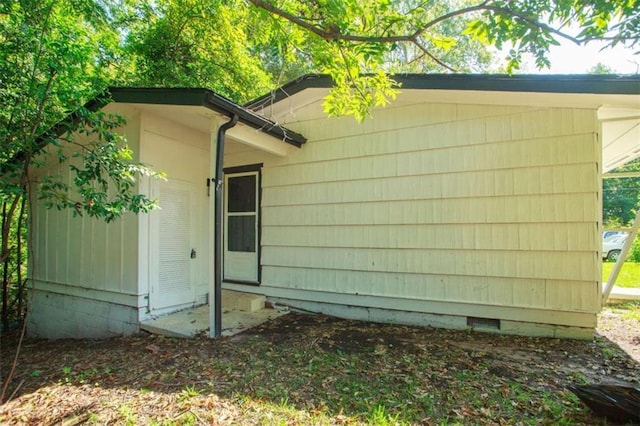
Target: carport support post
column 215, row 293
column 611, row 281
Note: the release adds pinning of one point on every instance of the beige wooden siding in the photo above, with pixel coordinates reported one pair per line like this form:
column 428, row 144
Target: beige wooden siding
column 76, row 253
column 442, row 202
column 85, row 253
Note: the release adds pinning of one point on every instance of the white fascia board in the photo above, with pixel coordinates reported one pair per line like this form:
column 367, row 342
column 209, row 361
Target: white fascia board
column 259, row 140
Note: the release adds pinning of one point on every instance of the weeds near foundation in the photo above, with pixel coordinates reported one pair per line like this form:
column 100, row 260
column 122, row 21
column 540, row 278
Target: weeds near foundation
column 128, row 415
column 188, row 393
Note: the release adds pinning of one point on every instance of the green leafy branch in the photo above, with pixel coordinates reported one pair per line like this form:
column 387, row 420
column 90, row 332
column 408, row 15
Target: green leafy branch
column 104, row 172
column 374, row 31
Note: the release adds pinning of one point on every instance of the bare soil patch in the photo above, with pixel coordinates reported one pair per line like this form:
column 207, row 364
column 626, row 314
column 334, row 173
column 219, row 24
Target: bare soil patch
column 302, row 369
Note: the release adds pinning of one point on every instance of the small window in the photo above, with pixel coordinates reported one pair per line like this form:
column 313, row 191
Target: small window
column 242, row 233
column 242, row 194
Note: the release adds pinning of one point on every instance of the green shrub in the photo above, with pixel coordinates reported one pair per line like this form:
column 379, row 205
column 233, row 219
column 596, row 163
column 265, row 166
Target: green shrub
column 634, row 253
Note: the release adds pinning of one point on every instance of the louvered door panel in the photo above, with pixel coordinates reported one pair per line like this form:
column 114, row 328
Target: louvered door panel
column 172, row 280
column 174, row 241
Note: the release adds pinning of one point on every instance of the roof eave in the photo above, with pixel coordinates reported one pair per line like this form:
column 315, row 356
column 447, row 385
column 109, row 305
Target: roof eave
column 533, row 83
column 208, row 99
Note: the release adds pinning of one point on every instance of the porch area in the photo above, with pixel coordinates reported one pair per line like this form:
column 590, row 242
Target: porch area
column 240, row 312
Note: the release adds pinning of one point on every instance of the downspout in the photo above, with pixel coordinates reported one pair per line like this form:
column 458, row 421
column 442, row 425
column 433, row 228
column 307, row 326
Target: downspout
column 217, row 262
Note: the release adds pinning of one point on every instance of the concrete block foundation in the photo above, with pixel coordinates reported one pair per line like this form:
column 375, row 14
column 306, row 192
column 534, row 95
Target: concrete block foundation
column 57, row 316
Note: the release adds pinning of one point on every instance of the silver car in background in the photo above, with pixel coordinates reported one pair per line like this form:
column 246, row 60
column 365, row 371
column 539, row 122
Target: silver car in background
column 612, row 245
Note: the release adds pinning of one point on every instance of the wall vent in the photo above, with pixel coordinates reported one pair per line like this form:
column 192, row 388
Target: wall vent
column 483, row 323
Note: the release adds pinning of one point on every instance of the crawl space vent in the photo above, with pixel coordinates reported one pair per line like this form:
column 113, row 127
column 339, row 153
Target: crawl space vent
column 483, row 323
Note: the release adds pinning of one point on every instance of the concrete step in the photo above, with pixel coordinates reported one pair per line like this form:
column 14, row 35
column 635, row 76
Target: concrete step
column 623, row 294
column 247, row 302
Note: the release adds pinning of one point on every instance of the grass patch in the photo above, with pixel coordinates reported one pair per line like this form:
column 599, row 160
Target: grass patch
column 629, row 275
column 629, row 311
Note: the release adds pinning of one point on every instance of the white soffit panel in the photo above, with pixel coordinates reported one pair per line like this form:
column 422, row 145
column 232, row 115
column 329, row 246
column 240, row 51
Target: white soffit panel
column 620, row 136
column 199, row 118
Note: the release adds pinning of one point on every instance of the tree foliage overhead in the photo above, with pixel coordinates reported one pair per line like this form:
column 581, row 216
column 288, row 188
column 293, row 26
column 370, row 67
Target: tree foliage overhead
column 352, row 39
column 55, row 56
column 193, row 43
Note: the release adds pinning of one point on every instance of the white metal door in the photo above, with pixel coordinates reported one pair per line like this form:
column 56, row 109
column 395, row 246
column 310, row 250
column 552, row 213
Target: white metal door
column 241, row 210
column 172, row 275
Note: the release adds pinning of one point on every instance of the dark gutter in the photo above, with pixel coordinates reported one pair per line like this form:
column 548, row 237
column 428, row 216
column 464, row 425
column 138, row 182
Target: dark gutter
column 534, row 83
column 217, row 261
column 170, row 96
column 208, row 99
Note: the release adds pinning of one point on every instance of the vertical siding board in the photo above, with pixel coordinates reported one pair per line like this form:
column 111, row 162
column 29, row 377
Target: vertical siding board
column 71, row 243
column 59, row 245
column 129, row 254
column 37, row 235
column 76, row 252
column 85, row 248
column 113, row 257
column 44, row 251
column 76, row 247
column 87, row 255
column 99, row 258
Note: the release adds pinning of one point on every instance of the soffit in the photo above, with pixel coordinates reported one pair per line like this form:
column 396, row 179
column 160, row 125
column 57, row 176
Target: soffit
column 200, row 118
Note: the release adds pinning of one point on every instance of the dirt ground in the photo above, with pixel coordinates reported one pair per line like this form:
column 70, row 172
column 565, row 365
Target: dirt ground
column 303, row 369
column 625, row 334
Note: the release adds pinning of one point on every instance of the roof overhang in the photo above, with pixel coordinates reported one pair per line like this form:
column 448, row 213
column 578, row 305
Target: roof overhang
column 620, row 135
column 616, row 98
column 196, row 108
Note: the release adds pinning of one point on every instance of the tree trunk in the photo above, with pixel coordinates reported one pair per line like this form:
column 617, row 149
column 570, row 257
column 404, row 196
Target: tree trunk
column 5, row 274
column 8, row 212
column 21, row 285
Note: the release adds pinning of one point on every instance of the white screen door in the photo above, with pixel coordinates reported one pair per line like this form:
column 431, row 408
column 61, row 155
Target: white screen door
column 241, row 208
column 173, row 272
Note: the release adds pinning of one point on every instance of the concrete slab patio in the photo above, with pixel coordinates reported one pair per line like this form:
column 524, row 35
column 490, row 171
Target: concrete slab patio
column 241, row 312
